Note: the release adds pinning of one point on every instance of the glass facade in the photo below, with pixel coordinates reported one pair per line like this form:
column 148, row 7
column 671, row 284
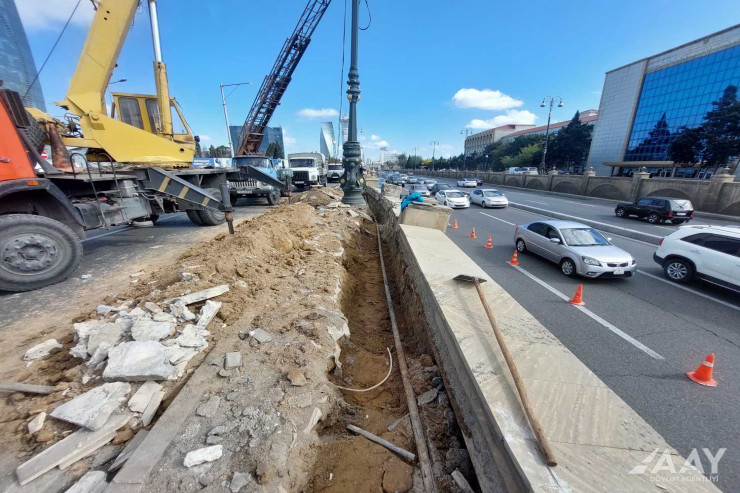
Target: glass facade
column 676, row 98
column 272, row 134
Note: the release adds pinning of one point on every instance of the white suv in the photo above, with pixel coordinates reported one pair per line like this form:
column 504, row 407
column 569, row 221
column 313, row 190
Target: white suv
column 710, row 253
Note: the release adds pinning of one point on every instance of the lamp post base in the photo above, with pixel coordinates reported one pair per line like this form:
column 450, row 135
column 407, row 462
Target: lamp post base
column 353, row 180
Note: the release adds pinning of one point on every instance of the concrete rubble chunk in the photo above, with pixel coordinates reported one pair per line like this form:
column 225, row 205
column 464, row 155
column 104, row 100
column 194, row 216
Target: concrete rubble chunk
column 239, row 481
column 192, row 336
column 36, row 423
column 297, row 378
column 207, row 313
column 91, row 482
column 202, row 455
column 149, row 330
column 152, row 307
column 178, row 354
column 181, row 311
column 108, row 333
column 427, row 396
column 41, row 350
column 141, row 398
column 209, row 408
column 261, row 335
column 137, row 361
column 164, row 317
column 80, row 442
column 125, row 323
column 137, row 312
column 187, row 276
column 151, row 408
column 104, row 310
column 92, row 409
column 313, row 420
column 233, row 360
column 99, row 355
column 206, row 294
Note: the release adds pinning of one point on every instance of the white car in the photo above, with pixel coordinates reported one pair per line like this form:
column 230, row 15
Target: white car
column 467, row 182
column 488, row 197
column 453, row 198
column 710, row 253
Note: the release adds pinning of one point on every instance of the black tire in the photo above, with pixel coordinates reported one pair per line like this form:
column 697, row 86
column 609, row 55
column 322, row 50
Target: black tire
column 521, row 247
column 653, row 218
column 194, row 217
column 35, row 133
column 211, row 217
column 274, row 197
column 483, row 204
column 35, row 252
column 568, row 267
column 678, row 270
column 620, row 212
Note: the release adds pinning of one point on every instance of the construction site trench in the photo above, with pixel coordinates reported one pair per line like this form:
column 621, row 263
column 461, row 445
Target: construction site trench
column 299, row 325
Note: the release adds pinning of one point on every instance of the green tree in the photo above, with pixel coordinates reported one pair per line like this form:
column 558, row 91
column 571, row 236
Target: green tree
column 198, row 150
column 569, row 148
column 275, row 151
column 688, row 147
column 212, row 151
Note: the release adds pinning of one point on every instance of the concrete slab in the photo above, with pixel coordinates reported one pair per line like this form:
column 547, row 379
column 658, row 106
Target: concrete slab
column 597, row 437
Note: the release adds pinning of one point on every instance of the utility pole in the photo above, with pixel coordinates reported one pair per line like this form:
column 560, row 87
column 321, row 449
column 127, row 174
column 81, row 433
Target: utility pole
column 226, row 116
column 551, row 101
column 353, row 182
column 466, row 131
column 434, row 145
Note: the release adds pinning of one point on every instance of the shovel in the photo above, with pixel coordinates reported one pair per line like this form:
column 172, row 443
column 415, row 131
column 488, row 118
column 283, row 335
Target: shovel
column 541, row 439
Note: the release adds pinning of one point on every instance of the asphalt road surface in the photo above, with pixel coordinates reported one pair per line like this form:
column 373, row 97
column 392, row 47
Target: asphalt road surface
column 639, row 335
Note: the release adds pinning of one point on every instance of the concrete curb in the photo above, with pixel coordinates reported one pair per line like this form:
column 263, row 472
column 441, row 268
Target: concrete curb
column 610, row 228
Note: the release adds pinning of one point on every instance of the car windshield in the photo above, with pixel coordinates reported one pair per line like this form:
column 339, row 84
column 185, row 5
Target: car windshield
column 335, row 167
column 492, row 194
column 419, row 187
column 252, row 161
column 454, row 195
column 444, row 187
column 681, row 205
column 583, row 237
column 302, row 163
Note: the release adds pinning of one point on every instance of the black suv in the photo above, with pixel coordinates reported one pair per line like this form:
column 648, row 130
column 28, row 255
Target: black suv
column 658, row 209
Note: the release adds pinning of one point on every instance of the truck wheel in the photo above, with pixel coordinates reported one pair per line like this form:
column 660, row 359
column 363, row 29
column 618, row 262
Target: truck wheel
column 194, row 217
column 211, row 217
column 36, row 251
column 274, row 197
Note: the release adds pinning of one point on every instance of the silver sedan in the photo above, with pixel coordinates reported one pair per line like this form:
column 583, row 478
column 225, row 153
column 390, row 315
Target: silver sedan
column 576, row 248
column 488, row 197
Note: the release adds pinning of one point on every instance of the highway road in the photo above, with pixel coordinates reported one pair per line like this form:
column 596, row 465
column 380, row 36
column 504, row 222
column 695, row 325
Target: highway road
column 639, row 335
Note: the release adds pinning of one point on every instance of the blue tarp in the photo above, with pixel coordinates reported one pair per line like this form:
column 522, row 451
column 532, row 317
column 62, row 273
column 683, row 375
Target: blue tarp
column 414, row 197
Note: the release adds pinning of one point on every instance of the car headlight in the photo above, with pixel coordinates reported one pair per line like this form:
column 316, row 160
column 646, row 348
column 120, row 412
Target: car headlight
column 591, row 261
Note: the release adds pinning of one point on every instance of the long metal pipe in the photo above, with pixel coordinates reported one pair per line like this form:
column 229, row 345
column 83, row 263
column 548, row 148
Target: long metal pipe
column 154, row 21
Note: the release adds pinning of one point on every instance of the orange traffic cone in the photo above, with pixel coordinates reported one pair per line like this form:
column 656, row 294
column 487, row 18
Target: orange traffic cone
column 577, row 298
column 490, row 240
column 472, row 233
column 454, row 224
column 703, row 374
column 514, row 259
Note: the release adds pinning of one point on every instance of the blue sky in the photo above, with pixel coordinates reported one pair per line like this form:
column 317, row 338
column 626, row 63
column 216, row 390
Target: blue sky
column 415, row 58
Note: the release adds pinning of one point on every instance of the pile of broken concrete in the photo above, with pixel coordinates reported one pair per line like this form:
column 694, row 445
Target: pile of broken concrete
column 129, row 343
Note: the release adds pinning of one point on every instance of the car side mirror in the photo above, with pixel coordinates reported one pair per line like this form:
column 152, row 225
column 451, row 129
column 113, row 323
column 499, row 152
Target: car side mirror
column 555, row 240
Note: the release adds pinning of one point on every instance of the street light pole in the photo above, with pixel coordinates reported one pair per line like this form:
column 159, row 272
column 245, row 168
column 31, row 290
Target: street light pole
column 352, row 182
column 466, row 131
column 551, row 100
column 434, row 145
column 226, row 115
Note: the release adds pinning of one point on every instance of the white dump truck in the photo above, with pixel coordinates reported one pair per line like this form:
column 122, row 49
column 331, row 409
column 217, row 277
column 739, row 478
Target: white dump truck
column 309, row 168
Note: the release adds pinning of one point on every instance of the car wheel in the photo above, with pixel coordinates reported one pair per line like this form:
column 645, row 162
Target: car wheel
column 521, row 247
column 567, row 267
column 195, row 217
column 483, row 204
column 678, row 270
column 653, row 218
column 620, row 212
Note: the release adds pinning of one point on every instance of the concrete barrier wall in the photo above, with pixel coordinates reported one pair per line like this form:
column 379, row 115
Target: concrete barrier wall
column 719, row 195
column 597, row 438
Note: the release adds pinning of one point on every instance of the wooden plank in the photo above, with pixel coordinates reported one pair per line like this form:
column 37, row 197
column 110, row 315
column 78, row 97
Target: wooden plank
column 69, row 447
column 26, row 388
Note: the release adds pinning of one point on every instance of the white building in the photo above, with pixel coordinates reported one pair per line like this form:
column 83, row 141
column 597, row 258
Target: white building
column 477, row 143
column 387, row 156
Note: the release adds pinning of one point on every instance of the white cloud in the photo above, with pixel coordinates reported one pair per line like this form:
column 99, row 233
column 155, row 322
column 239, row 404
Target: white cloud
column 205, row 138
column 522, row 117
column 485, row 99
column 52, row 14
column 321, row 113
column 374, row 138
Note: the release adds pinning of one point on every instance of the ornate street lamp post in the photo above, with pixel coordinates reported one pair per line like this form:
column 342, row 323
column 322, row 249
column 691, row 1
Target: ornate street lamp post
column 353, row 181
column 467, row 132
column 551, row 100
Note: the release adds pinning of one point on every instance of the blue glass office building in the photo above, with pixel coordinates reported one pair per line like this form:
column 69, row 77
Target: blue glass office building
column 272, row 134
column 17, row 68
column 647, row 104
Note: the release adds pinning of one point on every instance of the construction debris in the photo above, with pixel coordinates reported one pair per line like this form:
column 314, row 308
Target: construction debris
column 206, row 294
column 151, row 408
column 128, row 450
column 297, row 378
column 206, row 454
column 150, row 330
column 41, row 350
column 91, row 482
column 141, row 398
column 36, row 423
column 208, row 410
column 385, row 443
column 26, row 388
column 461, row 482
column 239, row 481
column 261, row 335
column 137, row 361
column 233, row 360
column 92, row 409
column 75, row 446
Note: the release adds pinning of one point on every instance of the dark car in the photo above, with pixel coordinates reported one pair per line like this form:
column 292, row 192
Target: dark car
column 439, row 186
column 658, row 209
column 479, row 181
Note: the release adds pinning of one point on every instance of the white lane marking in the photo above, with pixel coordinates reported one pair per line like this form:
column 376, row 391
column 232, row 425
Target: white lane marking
column 108, row 233
column 496, row 218
column 579, row 203
column 591, row 314
column 692, row 291
column 530, row 200
column 591, row 220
